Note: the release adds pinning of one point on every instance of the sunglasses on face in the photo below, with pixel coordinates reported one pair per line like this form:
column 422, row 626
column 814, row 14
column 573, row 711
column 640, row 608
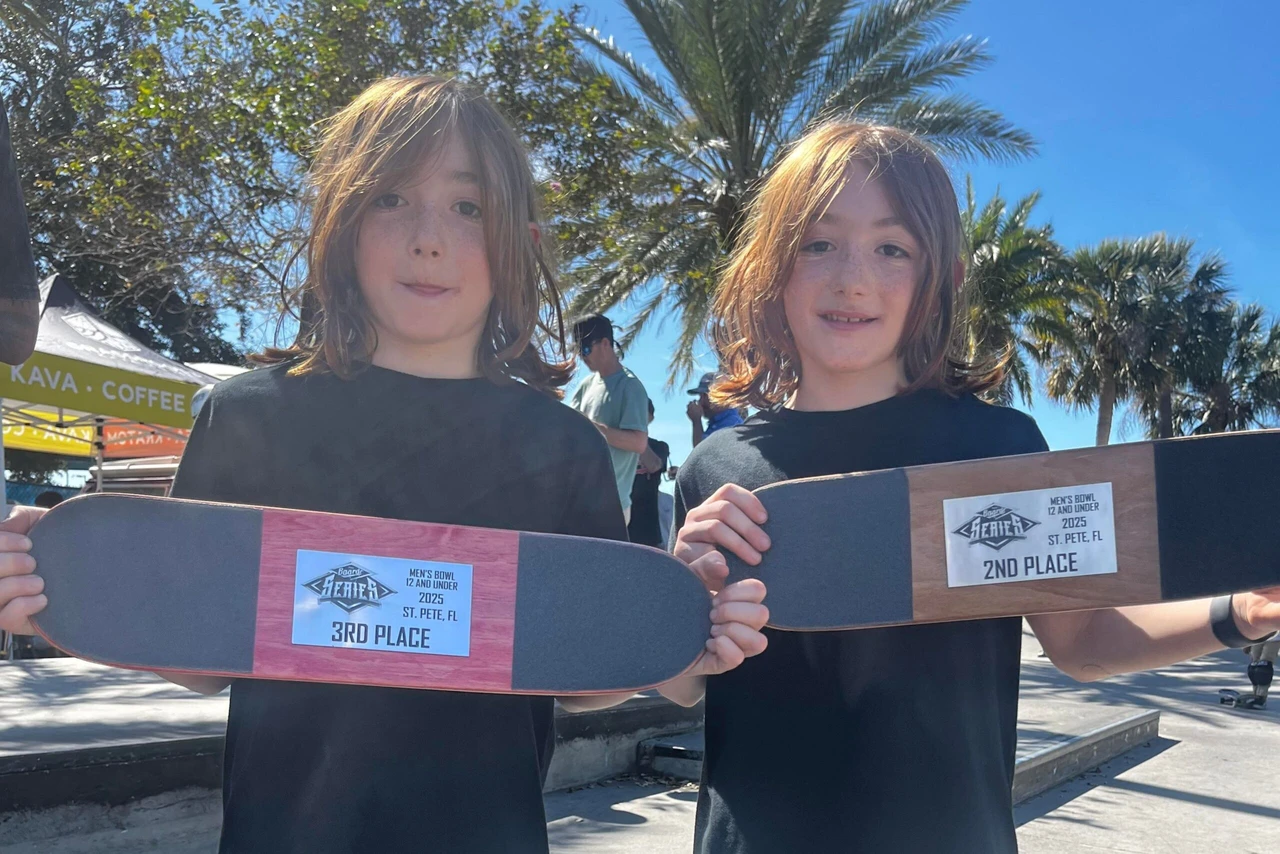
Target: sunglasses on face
column 585, row 348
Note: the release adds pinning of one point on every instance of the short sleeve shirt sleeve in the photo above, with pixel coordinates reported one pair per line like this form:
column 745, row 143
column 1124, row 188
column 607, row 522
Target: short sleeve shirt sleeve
column 635, row 405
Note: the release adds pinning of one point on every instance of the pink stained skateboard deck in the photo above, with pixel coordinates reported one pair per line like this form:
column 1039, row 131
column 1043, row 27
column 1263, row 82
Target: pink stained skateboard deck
column 231, row 590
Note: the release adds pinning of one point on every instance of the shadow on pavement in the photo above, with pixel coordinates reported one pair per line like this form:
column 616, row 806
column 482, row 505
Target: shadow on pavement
column 1168, row 689
column 1105, row 775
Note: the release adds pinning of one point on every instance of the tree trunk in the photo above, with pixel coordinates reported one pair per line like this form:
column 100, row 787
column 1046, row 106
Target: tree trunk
column 1164, row 424
column 1106, row 407
column 19, row 298
column 1219, row 416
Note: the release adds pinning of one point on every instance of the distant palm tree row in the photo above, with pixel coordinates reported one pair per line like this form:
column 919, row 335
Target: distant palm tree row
column 1142, row 322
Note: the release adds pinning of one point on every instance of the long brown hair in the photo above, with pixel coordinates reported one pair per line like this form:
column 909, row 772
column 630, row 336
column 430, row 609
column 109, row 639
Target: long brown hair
column 760, row 364
column 375, row 145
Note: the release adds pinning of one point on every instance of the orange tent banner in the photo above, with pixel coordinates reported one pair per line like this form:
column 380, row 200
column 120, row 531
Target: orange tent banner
column 132, row 440
column 35, row 430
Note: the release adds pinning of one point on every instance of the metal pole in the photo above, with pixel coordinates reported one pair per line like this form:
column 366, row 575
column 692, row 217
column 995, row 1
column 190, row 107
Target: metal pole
column 4, row 478
column 99, row 447
column 6, row 642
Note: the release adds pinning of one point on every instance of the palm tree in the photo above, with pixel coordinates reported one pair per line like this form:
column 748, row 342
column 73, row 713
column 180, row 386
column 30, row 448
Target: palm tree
column 740, row 79
column 1234, row 383
column 1097, row 364
column 1017, row 295
column 1185, row 304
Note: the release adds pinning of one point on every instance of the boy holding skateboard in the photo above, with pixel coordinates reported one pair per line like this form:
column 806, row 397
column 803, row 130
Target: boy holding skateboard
column 417, row 388
column 836, row 318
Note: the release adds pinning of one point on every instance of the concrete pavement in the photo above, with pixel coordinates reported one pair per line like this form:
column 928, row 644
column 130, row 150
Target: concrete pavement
column 1210, row 782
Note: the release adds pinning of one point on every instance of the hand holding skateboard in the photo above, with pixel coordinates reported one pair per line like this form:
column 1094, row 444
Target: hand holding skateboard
column 724, row 520
column 237, row 591
column 730, row 519
column 256, row 592
column 21, row 590
column 1074, row 530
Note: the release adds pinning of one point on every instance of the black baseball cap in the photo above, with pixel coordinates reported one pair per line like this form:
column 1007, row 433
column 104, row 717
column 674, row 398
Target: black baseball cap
column 593, row 327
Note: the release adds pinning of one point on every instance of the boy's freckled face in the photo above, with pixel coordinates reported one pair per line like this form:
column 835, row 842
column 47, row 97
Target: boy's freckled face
column 851, row 287
column 420, row 257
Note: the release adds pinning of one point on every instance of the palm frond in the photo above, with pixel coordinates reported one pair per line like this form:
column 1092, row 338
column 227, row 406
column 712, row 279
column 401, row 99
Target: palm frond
column 639, row 78
column 877, row 87
column 962, row 127
column 878, row 33
column 733, row 81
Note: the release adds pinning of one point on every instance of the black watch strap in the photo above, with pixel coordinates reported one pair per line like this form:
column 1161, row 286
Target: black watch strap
column 1223, row 619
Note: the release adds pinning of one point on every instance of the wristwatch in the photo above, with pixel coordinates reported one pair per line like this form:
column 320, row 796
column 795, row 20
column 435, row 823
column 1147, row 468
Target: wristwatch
column 1223, row 619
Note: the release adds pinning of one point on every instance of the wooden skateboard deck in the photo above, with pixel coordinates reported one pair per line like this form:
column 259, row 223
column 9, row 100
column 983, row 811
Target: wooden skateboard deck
column 167, row 584
column 1059, row 531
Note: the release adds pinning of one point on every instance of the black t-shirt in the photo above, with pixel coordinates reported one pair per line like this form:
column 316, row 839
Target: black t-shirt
column 320, row 768
column 891, row 739
column 644, row 527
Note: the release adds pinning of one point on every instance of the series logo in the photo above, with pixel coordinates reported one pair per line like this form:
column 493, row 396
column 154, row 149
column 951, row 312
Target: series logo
column 995, row 527
column 350, row 587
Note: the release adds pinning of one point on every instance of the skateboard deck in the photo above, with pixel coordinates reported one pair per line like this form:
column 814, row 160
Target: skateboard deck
column 1070, row 530
column 240, row 591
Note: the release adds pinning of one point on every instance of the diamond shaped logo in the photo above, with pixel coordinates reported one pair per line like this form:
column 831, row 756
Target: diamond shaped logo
column 350, row 587
column 995, row 527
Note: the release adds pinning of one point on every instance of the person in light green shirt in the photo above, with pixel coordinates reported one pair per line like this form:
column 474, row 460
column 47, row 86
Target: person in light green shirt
column 614, row 399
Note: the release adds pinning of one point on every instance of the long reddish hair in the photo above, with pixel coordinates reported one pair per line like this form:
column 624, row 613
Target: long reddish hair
column 759, row 362
column 375, row 145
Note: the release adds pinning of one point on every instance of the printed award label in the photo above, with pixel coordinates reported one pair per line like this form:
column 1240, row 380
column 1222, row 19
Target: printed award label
column 382, row 603
column 1024, row 536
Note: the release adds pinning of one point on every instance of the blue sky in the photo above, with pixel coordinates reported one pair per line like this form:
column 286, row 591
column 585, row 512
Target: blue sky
column 1151, row 115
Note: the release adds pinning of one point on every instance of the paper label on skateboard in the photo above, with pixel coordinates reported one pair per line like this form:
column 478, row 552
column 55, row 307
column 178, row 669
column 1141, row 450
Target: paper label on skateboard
column 1033, row 535
column 381, row 603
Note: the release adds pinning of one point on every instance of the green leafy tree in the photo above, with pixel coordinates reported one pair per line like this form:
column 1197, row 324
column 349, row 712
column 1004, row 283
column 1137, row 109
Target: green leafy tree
column 164, row 146
column 32, row 467
column 739, row 79
column 99, row 212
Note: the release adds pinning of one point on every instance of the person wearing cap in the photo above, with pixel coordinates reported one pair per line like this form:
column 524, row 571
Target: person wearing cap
column 717, row 417
column 614, row 399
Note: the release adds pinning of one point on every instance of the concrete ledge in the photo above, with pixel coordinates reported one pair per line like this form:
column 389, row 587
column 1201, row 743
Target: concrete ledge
column 1047, row 768
column 681, row 756
column 167, row 822
column 594, row 746
column 590, row 746
column 109, row 775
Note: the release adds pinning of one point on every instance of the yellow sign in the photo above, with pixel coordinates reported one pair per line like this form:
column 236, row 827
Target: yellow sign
column 68, row 441
column 119, row 440
column 71, row 384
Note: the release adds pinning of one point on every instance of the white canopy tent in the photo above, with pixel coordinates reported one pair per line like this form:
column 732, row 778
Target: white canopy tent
column 88, row 382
